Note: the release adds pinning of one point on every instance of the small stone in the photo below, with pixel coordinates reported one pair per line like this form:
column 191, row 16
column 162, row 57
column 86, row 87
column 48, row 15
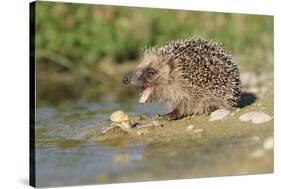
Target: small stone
column 268, row 143
column 255, row 117
column 190, row 127
column 198, row 130
column 257, row 153
column 219, row 114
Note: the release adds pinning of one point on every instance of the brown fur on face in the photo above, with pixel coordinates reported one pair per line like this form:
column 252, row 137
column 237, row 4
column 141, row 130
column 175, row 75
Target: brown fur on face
column 153, row 70
column 192, row 76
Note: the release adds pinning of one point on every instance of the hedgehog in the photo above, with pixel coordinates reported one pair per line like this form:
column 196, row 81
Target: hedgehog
column 193, row 76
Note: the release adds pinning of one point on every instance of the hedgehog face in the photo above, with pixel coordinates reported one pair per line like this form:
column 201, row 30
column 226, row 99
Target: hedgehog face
column 152, row 73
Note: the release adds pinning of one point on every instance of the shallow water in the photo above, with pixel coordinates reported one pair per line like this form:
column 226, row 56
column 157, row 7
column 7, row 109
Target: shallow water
column 69, row 150
column 64, row 158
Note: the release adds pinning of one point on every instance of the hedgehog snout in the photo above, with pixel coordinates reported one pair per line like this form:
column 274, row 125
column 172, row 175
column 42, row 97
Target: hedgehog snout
column 126, row 79
column 135, row 78
column 129, row 78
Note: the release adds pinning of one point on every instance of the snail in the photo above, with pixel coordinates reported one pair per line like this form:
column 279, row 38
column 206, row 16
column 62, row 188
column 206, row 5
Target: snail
column 119, row 119
column 122, row 120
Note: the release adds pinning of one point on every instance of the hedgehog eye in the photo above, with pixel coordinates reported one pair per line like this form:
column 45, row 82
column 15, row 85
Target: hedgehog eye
column 150, row 72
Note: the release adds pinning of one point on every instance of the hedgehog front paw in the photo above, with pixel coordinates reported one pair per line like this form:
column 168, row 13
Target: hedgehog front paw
column 174, row 115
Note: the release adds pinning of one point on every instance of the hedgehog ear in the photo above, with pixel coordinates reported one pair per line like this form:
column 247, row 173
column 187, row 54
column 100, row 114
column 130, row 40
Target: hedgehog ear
column 169, row 61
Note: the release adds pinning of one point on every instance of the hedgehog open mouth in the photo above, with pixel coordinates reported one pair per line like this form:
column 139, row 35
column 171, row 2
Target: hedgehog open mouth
column 147, row 91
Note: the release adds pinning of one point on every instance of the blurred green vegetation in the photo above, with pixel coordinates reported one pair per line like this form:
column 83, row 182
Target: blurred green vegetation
column 83, row 50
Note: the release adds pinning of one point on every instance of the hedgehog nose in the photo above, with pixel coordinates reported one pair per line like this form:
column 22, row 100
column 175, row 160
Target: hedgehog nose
column 126, row 80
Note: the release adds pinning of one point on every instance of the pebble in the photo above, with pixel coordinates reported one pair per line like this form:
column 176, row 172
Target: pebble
column 198, row 130
column 219, row 114
column 257, row 153
column 255, row 117
column 268, row 143
column 190, row 127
